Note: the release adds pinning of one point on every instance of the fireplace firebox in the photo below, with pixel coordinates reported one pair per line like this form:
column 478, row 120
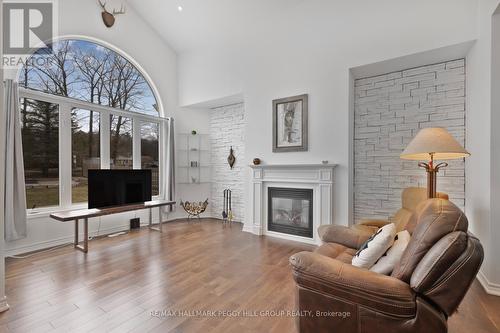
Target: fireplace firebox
column 290, row 211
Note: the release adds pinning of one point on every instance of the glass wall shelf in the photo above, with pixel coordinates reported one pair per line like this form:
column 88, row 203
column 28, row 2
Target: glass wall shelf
column 193, row 158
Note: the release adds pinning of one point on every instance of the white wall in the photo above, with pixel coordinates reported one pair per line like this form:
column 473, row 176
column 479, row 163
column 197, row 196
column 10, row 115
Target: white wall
column 495, row 151
column 482, row 186
column 309, row 48
column 134, row 37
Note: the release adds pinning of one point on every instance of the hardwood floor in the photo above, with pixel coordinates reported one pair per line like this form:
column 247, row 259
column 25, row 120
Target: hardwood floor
column 198, row 266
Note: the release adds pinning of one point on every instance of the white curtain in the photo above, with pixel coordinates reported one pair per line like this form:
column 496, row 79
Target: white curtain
column 168, row 185
column 15, row 195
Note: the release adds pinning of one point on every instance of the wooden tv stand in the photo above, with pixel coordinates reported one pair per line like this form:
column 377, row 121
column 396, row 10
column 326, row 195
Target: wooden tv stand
column 85, row 214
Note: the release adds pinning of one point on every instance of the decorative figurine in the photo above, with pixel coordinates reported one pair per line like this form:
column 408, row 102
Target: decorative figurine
column 108, row 18
column 231, row 159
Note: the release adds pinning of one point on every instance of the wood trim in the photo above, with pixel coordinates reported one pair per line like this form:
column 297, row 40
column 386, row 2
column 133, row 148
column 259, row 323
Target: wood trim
column 4, row 306
column 489, row 287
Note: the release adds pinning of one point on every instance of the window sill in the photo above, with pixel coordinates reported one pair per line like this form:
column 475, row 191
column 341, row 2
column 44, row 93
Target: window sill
column 45, row 212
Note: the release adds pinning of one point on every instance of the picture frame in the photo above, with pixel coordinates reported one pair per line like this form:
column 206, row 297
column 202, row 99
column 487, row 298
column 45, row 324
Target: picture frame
column 290, row 124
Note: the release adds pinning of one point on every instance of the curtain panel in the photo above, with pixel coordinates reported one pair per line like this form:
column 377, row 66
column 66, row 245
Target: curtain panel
column 15, row 192
column 169, row 164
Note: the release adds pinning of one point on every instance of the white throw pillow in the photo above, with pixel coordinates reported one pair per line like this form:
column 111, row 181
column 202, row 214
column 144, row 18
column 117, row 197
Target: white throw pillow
column 386, row 263
column 375, row 247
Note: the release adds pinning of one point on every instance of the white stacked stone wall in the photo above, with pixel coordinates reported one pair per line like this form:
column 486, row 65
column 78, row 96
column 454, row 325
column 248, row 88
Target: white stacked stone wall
column 227, row 128
column 389, row 111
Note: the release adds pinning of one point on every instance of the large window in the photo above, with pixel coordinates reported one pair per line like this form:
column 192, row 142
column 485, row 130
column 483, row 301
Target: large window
column 40, row 133
column 83, row 107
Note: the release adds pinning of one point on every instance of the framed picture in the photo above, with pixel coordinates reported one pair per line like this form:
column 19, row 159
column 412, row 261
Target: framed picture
column 290, row 124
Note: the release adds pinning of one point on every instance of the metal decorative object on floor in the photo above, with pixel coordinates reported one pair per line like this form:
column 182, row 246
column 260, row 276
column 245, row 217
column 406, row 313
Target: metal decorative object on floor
column 194, row 209
column 227, row 212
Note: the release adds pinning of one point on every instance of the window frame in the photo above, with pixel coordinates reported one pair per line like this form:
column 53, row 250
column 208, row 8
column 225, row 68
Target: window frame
column 72, row 152
column 139, row 143
column 66, row 105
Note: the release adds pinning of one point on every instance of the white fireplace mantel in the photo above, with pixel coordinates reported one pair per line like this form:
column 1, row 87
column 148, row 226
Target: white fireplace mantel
column 318, row 177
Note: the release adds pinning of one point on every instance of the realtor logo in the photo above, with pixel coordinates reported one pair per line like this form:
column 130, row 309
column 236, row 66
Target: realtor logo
column 27, row 26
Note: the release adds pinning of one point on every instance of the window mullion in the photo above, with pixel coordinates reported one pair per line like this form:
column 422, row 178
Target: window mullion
column 162, row 132
column 105, row 139
column 136, row 143
column 65, row 154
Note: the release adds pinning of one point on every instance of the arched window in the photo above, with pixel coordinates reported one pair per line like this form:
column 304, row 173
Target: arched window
column 90, row 72
column 84, row 106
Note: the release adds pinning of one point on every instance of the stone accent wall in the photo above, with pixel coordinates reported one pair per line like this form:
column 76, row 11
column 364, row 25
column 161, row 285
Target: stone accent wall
column 389, row 111
column 227, row 128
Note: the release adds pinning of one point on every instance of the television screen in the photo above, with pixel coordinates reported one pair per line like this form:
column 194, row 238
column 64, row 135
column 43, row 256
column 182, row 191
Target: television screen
column 109, row 188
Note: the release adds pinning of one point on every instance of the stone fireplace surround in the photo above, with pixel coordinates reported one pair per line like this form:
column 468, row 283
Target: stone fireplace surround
column 318, row 177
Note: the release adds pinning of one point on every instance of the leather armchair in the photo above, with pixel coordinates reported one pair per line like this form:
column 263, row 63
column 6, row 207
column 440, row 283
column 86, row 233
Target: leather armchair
column 404, row 218
column 426, row 286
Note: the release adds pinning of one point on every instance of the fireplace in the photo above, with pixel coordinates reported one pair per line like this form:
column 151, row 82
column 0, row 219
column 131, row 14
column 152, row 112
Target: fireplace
column 317, row 178
column 290, row 211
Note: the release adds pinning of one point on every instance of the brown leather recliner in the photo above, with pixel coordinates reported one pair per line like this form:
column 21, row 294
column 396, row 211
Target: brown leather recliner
column 426, row 286
column 404, row 218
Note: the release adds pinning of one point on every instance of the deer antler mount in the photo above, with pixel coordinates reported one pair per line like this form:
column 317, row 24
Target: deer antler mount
column 109, row 17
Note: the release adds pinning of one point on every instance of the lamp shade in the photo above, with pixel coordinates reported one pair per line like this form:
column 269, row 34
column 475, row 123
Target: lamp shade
column 436, row 142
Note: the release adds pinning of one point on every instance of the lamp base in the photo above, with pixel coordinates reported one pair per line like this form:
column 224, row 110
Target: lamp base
column 432, row 171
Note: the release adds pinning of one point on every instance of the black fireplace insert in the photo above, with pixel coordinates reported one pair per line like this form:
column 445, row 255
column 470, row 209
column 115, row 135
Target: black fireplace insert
column 290, row 211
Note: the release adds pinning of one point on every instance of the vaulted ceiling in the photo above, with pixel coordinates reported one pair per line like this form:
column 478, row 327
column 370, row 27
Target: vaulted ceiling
column 211, row 22
column 249, row 23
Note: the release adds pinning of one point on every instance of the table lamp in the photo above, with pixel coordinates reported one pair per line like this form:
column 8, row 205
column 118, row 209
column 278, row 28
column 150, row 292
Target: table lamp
column 433, row 144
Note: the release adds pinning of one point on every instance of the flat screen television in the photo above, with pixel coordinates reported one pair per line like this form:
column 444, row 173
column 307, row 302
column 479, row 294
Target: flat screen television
column 110, row 188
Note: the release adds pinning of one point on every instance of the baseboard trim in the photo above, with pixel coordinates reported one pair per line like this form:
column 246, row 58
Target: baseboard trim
column 59, row 241
column 490, row 287
column 70, row 238
column 253, row 229
column 247, row 228
column 3, row 304
column 293, row 238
